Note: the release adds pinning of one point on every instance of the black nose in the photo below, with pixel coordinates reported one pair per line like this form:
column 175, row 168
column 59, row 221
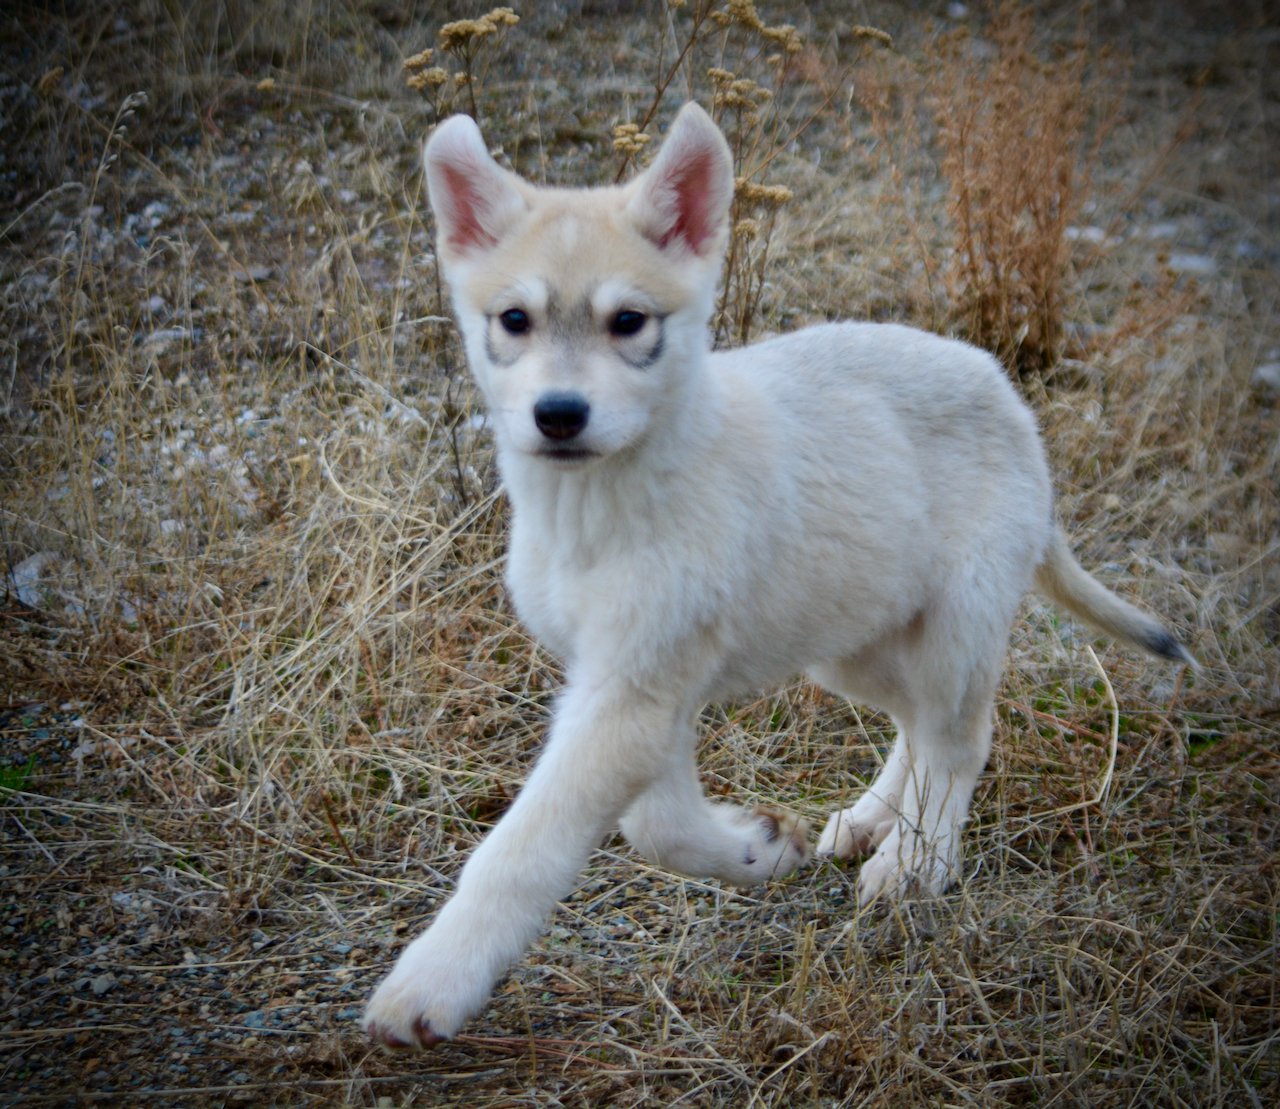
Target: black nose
column 561, row 415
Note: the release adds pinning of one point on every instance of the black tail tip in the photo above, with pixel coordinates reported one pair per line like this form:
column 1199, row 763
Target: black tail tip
column 1166, row 645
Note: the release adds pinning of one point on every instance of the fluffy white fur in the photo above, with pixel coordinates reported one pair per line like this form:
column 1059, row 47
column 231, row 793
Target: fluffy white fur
column 866, row 503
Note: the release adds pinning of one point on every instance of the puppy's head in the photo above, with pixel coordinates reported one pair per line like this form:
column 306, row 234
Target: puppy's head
column 581, row 309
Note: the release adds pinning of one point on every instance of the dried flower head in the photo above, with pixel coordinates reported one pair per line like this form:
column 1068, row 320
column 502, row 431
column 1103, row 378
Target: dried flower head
column 859, row 31
column 786, row 36
column 502, row 17
column 461, row 32
column 761, row 196
column 741, row 94
column 420, row 60
column 743, row 12
column 629, row 139
column 425, row 79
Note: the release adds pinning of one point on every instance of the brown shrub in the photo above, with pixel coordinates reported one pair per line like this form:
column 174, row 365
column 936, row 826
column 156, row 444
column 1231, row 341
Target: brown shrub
column 1017, row 136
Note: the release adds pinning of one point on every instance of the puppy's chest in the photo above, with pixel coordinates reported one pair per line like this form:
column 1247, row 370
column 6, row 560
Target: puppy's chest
column 581, row 598
column 558, row 593
column 549, row 610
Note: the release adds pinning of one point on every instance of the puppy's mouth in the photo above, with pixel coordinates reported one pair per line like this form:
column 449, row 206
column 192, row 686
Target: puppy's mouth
column 567, row 456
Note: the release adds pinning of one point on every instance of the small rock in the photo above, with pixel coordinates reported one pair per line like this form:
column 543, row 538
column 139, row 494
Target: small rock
column 164, row 337
column 1194, row 265
column 102, row 984
column 1094, row 236
column 1266, row 379
column 26, row 578
column 252, row 274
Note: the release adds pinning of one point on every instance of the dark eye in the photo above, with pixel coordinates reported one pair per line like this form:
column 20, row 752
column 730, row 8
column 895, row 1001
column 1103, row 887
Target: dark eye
column 627, row 322
column 515, row 321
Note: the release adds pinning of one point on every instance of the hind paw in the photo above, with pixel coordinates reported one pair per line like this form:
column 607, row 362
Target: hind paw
column 906, row 865
column 854, row 833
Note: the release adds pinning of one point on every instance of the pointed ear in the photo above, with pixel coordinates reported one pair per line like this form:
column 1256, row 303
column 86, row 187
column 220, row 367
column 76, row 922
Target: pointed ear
column 682, row 200
column 474, row 199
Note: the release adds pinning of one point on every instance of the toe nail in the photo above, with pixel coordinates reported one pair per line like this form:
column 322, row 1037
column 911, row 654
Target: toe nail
column 427, row 1036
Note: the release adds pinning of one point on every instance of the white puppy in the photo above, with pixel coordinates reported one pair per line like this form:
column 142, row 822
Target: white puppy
column 865, row 503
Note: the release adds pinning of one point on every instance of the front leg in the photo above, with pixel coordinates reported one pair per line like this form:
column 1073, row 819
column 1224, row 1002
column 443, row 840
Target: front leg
column 607, row 742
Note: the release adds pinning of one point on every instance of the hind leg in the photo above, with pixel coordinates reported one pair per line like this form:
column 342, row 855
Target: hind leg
column 920, row 850
column 937, row 680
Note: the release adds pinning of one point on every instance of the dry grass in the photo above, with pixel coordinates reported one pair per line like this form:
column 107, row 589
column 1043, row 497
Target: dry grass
column 263, row 691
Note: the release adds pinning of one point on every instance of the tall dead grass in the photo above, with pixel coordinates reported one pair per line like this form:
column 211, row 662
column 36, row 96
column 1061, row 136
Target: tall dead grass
column 1018, row 135
column 252, row 535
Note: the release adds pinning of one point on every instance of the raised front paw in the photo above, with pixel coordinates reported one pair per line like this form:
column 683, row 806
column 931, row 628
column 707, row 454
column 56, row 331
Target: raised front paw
column 426, row 997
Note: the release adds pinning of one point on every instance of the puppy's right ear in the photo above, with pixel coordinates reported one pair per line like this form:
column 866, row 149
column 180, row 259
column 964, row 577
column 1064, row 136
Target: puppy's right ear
column 474, row 199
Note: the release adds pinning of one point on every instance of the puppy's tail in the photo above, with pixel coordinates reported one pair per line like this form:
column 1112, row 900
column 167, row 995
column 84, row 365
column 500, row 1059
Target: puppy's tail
column 1064, row 581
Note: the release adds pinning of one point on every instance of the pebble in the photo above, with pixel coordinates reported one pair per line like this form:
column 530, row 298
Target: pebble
column 25, row 577
column 1193, row 265
column 163, row 337
column 249, row 274
column 1095, row 236
column 1266, row 379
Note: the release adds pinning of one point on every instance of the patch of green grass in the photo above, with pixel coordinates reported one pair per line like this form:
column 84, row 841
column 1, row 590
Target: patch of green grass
column 14, row 777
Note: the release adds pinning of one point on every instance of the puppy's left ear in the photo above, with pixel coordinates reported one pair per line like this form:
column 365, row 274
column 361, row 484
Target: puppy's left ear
column 681, row 202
